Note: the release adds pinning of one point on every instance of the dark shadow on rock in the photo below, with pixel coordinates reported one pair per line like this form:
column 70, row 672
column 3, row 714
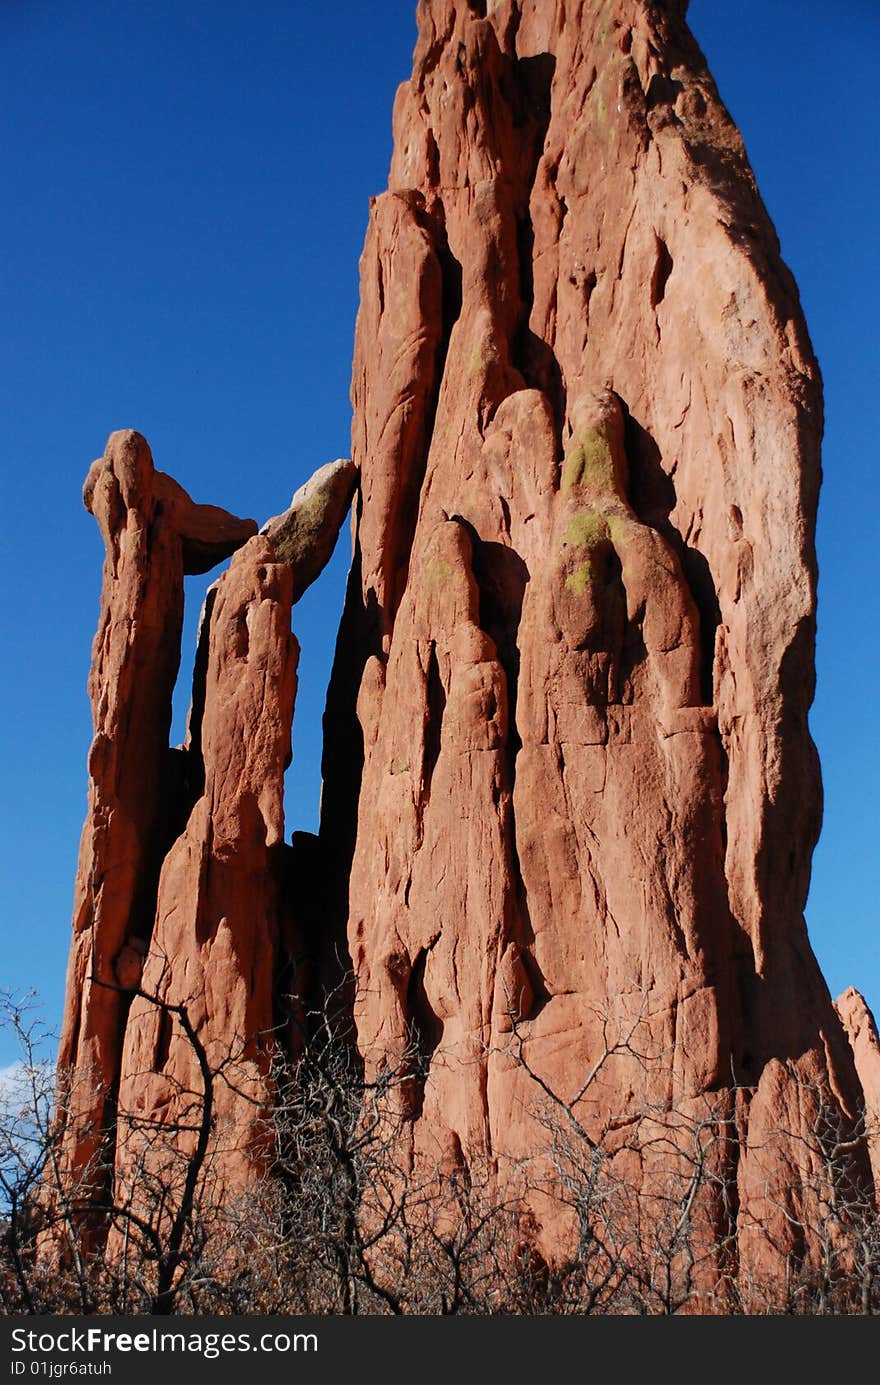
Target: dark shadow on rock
column 652, row 496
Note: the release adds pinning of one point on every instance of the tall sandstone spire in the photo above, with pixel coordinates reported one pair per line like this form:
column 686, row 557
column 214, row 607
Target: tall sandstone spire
column 183, row 892
column 570, row 795
column 153, row 535
column 569, row 707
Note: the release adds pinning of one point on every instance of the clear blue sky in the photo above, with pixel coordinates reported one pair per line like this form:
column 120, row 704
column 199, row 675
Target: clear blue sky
column 185, row 194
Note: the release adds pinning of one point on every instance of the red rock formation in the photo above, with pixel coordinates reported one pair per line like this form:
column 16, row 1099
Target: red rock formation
column 178, row 895
column 215, row 943
column 154, row 534
column 861, row 1030
column 570, row 793
column 579, row 631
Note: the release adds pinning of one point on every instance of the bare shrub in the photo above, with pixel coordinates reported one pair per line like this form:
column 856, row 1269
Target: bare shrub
column 340, row 1217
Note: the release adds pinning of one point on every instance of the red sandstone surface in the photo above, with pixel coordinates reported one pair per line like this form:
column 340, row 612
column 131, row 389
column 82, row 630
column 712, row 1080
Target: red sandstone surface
column 579, row 640
column 154, row 534
column 861, row 1030
column 570, row 794
column 182, row 854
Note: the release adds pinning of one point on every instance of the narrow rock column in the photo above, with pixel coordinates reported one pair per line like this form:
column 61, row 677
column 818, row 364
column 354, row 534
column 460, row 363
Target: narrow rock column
column 154, row 534
column 215, row 943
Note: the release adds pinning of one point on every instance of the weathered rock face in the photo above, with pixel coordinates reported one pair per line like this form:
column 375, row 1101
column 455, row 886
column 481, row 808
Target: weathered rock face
column 861, row 1030
column 183, row 891
column 154, row 534
column 577, row 651
column 215, row 944
column 570, row 794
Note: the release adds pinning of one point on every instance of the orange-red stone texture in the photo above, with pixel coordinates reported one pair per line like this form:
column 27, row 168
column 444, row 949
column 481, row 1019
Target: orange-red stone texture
column 570, row 795
column 577, row 650
column 153, row 534
column 861, row 1030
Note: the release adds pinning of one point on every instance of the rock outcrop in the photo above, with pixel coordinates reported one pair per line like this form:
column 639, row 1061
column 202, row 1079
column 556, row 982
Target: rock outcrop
column 861, row 1030
column 569, row 708
column 181, row 896
column 570, row 794
column 215, row 943
column 154, row 534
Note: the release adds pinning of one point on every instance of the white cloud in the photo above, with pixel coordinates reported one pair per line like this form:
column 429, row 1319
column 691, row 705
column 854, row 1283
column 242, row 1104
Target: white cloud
column 20, row 1085
column 12, row 1080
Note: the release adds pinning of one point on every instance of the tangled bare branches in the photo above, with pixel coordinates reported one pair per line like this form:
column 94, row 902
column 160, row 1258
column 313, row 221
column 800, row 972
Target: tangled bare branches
column 332, row 1212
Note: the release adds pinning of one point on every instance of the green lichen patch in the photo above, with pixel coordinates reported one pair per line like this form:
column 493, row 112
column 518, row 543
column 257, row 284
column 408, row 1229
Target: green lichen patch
column 586, row 529
column 588, row 462
column 579, row 580
column 295, row 539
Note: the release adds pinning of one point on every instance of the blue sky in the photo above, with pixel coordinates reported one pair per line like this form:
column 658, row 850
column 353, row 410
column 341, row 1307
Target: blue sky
column 185, row 192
